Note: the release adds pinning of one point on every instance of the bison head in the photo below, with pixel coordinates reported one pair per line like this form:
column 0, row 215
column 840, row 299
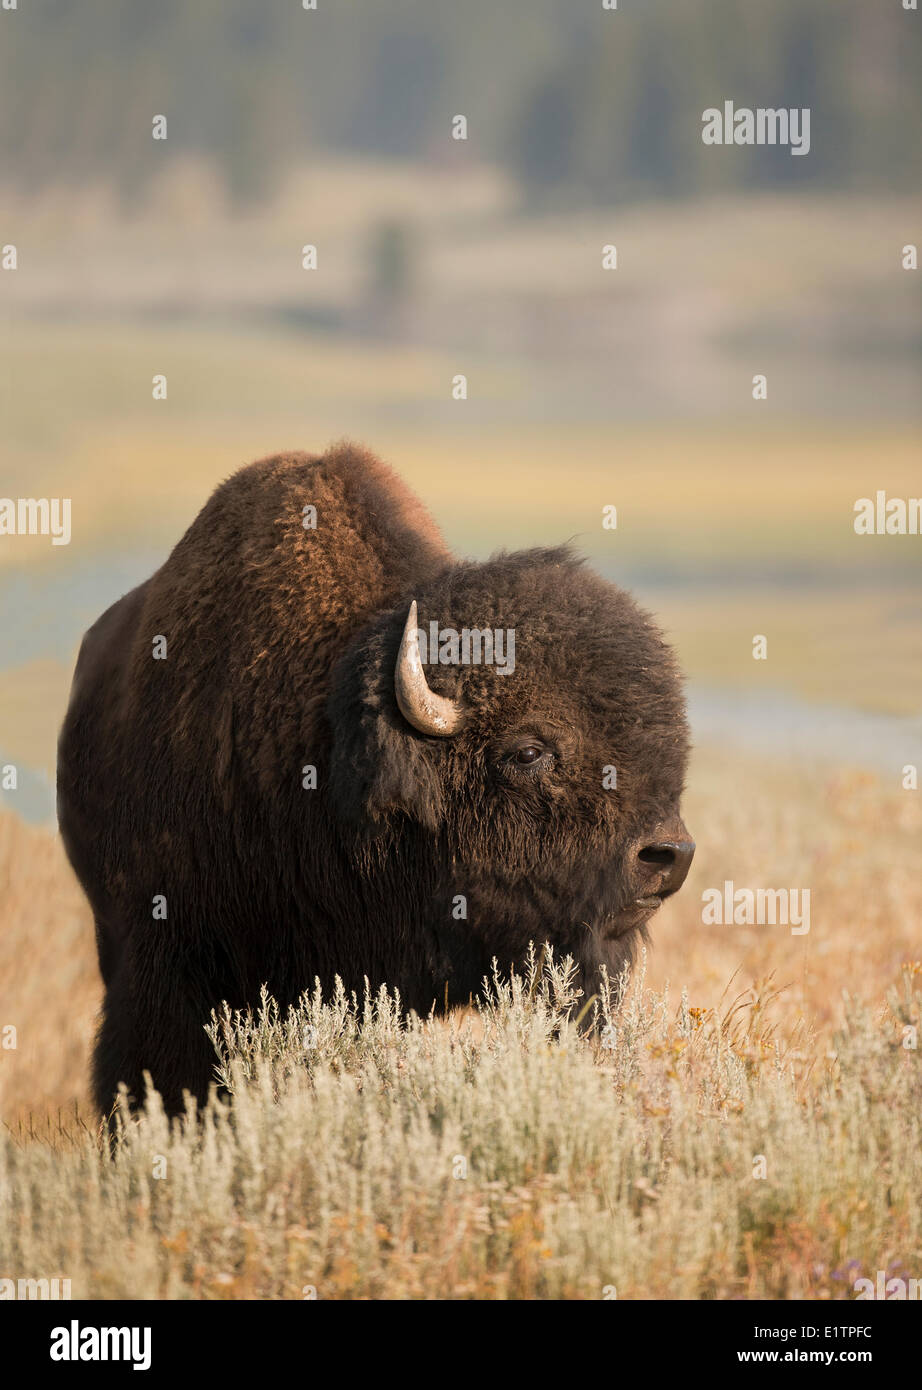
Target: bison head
column 532, row 801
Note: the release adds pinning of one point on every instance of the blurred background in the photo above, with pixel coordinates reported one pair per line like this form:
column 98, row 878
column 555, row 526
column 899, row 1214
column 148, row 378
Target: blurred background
column 587, row 386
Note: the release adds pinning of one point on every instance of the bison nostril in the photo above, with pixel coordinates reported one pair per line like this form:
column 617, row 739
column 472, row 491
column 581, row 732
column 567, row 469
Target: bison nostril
column 666, row 865
column 663, row 855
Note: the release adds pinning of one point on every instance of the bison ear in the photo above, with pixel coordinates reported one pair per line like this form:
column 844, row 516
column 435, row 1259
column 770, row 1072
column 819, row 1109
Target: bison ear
column 379, row 765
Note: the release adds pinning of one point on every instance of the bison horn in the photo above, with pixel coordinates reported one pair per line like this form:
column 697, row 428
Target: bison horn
column 420, row 706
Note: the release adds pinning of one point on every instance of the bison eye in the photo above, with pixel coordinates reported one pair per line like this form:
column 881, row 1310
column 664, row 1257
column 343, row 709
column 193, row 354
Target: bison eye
column 531, row 753
column 526, row 762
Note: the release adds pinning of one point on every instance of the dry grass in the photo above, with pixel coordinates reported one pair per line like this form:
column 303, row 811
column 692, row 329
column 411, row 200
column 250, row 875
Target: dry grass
column 851, row 840
column 674, row 1152
column 49, row 982
column 585, row 1156
column 845, row 836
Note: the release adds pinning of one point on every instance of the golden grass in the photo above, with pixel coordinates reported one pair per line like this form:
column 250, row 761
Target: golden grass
column 844, row 835
column 849, row 839
column 621, row 1160
column 49, row 983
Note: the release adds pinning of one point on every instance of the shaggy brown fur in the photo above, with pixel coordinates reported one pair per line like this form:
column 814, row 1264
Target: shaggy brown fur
column 182, row 777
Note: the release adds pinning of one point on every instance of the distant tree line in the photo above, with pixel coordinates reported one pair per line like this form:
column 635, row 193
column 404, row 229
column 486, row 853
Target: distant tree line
column 577, row 101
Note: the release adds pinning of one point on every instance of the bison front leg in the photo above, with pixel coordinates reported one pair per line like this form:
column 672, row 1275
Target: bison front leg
column 159, row 1035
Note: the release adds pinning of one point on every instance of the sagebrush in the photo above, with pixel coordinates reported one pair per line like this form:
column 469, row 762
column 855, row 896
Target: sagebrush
column 537, row 1146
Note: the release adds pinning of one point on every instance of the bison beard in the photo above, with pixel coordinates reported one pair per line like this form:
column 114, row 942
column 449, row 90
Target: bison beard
column 181, row 779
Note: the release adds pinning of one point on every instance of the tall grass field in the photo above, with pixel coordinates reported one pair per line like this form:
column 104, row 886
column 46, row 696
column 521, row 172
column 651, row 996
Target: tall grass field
column 742, row 1118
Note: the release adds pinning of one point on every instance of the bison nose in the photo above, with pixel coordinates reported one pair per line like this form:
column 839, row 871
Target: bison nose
column 663, row 866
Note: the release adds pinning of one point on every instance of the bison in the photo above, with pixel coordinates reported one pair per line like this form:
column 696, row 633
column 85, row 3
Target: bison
column 261, row 781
